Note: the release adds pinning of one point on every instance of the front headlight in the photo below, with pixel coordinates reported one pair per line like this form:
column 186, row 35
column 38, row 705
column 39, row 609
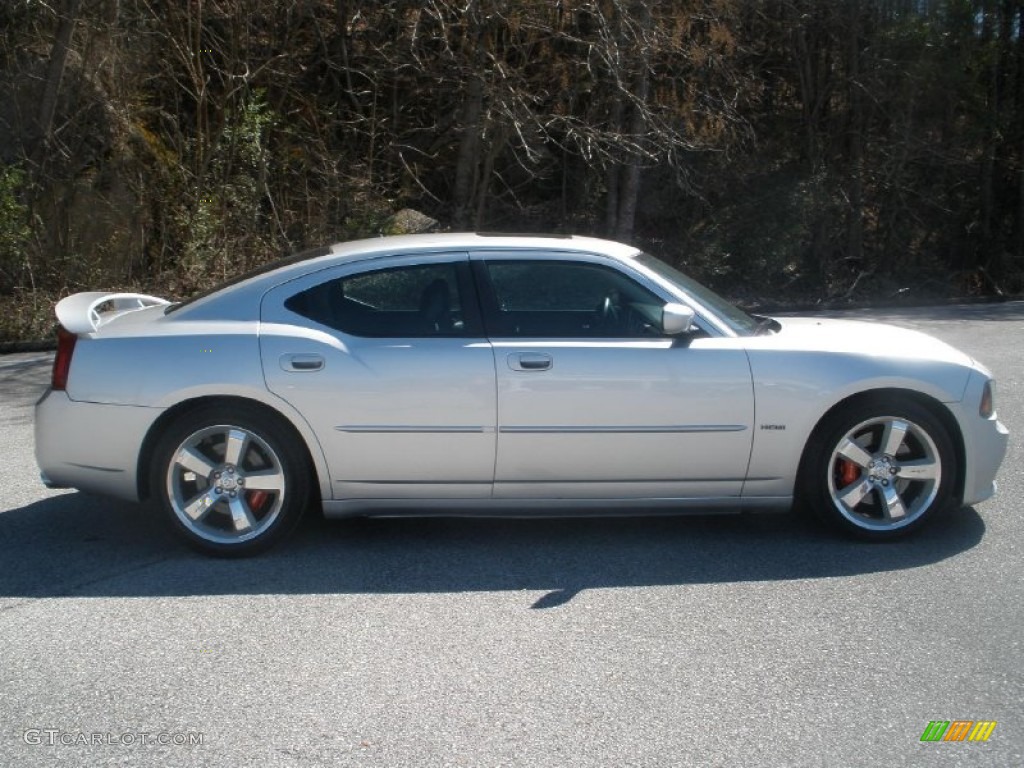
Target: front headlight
column 988, row 400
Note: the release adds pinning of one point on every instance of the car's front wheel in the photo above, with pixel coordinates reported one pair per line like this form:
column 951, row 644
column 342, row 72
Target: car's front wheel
column 231, row 481
column 879, row 468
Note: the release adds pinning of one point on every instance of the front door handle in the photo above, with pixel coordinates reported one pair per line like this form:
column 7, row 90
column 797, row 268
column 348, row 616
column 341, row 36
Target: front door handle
column 302, row 363
column 530, row 361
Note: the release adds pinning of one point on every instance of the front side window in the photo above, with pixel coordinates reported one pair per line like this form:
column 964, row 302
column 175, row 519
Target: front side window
column 401, row 302
column 567, row 299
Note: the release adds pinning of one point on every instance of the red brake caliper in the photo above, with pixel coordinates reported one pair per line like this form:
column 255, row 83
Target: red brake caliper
column 257, row 499
column 848, row 472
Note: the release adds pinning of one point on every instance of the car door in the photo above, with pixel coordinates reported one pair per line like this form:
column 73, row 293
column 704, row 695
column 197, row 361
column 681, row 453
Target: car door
column 388, row 364
column 593, row 400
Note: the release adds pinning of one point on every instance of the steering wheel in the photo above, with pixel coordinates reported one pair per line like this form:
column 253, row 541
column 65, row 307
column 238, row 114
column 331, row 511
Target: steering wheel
column 610, row 312
column 610, row 309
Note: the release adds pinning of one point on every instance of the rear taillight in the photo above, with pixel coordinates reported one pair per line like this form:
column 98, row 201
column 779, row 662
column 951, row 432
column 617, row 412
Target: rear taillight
column 62, row 362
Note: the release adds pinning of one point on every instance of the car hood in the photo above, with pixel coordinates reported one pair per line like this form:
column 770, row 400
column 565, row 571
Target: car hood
column 813, row 334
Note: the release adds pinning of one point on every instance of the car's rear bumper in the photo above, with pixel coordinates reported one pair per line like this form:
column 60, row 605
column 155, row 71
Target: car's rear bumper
column 90, row 446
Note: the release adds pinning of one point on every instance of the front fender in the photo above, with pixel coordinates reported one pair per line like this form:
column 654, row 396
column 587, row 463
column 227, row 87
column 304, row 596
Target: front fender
column 794, row 390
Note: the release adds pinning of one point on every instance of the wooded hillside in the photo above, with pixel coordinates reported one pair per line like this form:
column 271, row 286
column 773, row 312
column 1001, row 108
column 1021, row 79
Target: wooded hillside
column 801, row 149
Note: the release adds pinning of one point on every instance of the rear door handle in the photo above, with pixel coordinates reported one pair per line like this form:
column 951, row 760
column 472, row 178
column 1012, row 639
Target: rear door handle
column 302, row 363
column 530, row 361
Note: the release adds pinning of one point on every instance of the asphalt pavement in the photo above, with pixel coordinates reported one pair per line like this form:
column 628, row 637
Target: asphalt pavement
column 683, row 641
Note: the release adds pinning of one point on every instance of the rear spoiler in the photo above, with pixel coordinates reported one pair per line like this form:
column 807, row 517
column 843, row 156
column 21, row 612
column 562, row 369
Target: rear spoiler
column 80, row 312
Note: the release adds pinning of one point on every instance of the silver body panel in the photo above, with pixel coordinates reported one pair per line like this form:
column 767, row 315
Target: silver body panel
column 473, row 423
column 629, row 418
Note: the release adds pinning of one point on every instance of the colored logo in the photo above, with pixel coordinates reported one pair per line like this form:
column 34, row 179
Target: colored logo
column 958, row 730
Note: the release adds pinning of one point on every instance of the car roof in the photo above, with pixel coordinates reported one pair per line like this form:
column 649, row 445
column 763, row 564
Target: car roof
column 473, row 241
column 304, row 262
column 404, row 245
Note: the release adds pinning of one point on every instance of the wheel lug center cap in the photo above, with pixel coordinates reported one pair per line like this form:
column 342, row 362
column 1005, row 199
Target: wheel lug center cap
column 882, row 469
column 228, row 480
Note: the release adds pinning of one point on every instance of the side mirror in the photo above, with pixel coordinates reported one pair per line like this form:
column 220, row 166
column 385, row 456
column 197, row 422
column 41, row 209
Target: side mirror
column 676, row 319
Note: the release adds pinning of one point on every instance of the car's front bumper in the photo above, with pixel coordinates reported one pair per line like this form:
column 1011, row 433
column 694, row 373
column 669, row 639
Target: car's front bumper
column 90, row 446
column 985, row 444
column 989, row 451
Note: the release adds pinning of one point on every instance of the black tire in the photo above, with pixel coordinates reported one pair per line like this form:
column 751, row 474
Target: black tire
column 232, row 481
column 879, row 468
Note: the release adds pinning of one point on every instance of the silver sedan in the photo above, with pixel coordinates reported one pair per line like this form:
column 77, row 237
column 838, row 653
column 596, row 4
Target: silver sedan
column 473, row 374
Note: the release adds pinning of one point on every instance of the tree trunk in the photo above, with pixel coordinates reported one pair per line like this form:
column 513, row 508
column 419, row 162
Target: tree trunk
column 629, row 191
column 988, row 162
column 611, row 200
column 629, row 181
column 1018, row 230
column 468, row 158
column 855, row 222
column 54, row 75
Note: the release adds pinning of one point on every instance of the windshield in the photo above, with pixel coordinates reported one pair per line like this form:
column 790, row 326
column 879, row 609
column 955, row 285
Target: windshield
column 734, row 318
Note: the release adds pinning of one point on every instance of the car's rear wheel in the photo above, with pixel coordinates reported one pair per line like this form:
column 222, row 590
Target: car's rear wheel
column 231, row 481
column 879, row 469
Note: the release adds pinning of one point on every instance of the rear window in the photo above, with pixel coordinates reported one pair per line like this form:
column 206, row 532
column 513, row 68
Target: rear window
column 270, row 266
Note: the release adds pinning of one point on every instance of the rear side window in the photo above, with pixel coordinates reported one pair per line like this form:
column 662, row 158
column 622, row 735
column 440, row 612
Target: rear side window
column 401, row 302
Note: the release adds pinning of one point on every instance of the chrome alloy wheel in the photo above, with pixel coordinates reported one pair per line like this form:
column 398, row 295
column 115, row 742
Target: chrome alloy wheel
column 225, row 484
column 884, row 473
